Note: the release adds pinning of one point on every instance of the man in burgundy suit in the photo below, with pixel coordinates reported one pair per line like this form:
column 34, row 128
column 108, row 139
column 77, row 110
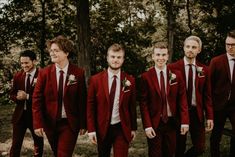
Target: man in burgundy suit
column 111, row 108
column 222, row 72
column 21, row 93
column 196, row 79
column 163, row 105
column 59, row 99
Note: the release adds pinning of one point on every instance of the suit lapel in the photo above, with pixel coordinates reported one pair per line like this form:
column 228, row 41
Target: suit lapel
column 167, row 82
column 121, row 91
column 105, row 85
column 153, row 76
column 53, row 80
column 22, row 79
column 69, row 72
column 182, row 69
column 226, row 64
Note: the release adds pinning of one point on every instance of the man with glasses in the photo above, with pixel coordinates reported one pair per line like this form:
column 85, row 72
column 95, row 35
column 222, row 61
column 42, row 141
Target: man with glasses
column 222, row 73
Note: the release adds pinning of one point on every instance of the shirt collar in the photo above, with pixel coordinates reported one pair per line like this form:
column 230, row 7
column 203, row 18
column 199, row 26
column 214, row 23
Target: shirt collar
column 230, row 57
column 159, row 70
column 65, row 69
column 32, row 73
column 187, row 63
column 110, row 74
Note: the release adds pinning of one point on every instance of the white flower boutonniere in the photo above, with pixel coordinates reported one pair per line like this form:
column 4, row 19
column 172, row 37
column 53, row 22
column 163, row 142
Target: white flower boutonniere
column 34, row 81
column 71, row 80
column 125, row 83
column 172, row 77
column 200, row 71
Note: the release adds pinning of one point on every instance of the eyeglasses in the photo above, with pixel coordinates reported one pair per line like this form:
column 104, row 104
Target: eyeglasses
column 230, row 45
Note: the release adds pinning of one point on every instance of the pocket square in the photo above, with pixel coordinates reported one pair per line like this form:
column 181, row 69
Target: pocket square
column 173, row 83
column 125, row 91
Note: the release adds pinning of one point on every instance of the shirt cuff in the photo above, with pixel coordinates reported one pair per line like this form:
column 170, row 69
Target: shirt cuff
column 27, row 96
column 91, row 133
column 184, row 125
column 146, row 129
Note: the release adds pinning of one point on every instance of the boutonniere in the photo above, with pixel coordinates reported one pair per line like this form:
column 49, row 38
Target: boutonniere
column 125, row 83
column 34, row 81
column 200, row 71
column 71, row 80
column 172, row 77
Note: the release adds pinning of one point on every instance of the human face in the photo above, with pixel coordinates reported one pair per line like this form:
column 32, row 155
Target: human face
column 191, row 49
column 57, row 55
column 230, row 46
column 160, row 57
column 115, row 59
column 27, row 64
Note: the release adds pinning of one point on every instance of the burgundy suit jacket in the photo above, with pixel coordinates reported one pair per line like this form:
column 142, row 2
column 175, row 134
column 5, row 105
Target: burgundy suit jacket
column 19, row 84
column 151, row 98
column 45, row 99
column 203, row 89
column 222, row 89
column 99, row 108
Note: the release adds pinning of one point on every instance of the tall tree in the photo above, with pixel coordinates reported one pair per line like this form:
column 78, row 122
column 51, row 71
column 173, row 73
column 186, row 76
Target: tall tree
column 83, row 32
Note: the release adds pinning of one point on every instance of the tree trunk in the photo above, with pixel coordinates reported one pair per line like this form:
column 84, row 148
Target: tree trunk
column 83, row 43
column 170, row 27
column 43, row 33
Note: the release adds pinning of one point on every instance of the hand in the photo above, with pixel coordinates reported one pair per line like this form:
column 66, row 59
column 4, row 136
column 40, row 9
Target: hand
column 209, row 125
column 39, row 132
column 184, row 130
column 133, row 134
column 82, row 131
column 150, row 133
column 21, row 95
column 92, row 137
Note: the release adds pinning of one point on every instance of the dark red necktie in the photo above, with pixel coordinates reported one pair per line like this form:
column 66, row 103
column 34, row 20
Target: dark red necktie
column 112, row 91
column 28, row 84
column 60, row 94
column 190, row 85
column 163, row 95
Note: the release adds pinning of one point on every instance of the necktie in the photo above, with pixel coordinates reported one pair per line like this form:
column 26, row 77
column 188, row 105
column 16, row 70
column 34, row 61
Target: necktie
column 190, row 85
column 163, row 95
column 60, row 94
column 28, row 84
column 112, row 91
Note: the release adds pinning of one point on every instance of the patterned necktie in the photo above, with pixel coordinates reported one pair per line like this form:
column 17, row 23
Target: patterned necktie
column 60, row 94
column 163, row 95
column 190, row 85
column 112, row 91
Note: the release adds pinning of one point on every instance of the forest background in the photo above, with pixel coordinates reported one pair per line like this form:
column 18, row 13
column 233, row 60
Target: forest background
column 96, row 24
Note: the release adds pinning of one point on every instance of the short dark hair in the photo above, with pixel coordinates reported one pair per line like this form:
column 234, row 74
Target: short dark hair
column 29, row 53
column 231, row 34
column 63, row 43
column 116, row 47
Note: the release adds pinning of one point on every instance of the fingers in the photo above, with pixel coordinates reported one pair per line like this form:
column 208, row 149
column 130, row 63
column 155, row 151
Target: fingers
column 133, row 135
column 184, row 130
column 93, row 139
column 82, row 131
column 150, row 133
column 39, row 132
column 209, row 125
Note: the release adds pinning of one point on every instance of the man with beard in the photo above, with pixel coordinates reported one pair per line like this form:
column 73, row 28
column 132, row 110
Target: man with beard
column 196, row 79
column 21, row 93
column 111, row 108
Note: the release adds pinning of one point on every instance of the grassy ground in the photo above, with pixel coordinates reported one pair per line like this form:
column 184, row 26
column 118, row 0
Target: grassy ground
column 138, row 147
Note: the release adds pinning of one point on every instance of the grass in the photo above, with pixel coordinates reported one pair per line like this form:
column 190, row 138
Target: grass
column 138, row 148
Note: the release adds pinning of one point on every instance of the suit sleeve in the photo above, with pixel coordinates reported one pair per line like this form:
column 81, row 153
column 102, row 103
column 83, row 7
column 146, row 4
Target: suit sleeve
column 144, row 103
column 183, row 101
column 133, row 107
column 38, row 101
column 91, row 106
column 14, row 90
column 207, row 97
column 83, row 102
